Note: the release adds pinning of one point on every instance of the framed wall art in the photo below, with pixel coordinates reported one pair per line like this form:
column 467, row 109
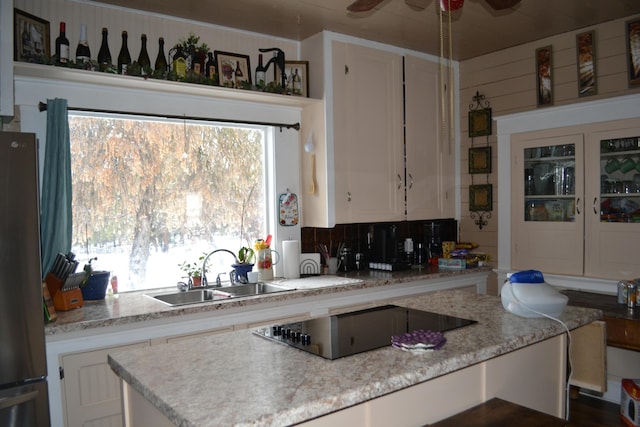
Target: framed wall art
column 633, row 52
column 480, row 197
column 544, row 77
column 480, row 122
column 479, row 160
column 234, row 70
column 586, row 60
column 297, row 77
column 30, row 38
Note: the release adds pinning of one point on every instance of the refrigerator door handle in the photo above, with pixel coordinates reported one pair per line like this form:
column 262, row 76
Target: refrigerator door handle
column 17, row 400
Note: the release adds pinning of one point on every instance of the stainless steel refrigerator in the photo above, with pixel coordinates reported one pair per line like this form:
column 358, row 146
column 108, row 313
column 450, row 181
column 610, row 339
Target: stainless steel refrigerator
column 23, row 368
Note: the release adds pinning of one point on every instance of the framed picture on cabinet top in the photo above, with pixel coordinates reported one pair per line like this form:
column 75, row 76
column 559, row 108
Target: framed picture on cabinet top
column 296, row 75
column 633, row 52
column 30, row 38
column 234, row 70
column 480, row 197
column 480, row 122
column 479, row 160
column 586, row 60
column 544, row 77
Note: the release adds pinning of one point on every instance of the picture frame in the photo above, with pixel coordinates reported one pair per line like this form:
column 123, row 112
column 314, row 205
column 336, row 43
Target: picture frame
column 480, row 122
column 31, row 38
column 544, row 76
column 481, row 198
column 479, row 160
column 586, row 63
column 228, row 65
column 633, row 52
column 292, row 68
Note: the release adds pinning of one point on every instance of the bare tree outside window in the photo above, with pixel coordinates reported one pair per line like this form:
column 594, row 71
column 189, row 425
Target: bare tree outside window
column 150, row 194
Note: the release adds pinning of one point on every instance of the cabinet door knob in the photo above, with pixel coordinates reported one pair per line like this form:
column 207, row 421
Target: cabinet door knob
column 399, row 182
column 595, row 200
column 410, row 181
column 348, row 196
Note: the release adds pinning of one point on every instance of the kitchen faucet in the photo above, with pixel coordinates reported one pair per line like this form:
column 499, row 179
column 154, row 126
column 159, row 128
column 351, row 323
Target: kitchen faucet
column 204, row 266
column 278, row 57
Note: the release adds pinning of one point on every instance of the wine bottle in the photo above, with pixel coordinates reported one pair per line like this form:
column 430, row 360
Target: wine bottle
column 261, row 73
column 143, row 57
column 161, row 60
column 210, row 68
column 239, row 75
column 104, row 54
column 62, row 46
column 83, row 53
column 180, row 63
column 297, row 83
column 124, row 58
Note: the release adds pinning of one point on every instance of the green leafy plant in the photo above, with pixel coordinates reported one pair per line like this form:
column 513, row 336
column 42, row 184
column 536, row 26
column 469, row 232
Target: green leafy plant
column 245, row 255
column 88, row 271
column 193, row 269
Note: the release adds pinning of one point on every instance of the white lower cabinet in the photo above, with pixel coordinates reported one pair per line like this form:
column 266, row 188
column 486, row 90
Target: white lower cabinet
column 91, row 389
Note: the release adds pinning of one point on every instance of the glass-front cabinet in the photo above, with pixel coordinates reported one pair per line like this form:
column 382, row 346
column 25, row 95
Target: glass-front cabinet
column 620, row 179
column 575, row 206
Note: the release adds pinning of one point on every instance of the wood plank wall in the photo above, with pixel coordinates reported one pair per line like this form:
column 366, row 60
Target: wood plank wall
column 507, row 79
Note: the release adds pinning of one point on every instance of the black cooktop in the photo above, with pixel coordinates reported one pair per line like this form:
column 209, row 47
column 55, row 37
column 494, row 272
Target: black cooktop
column 346, row 334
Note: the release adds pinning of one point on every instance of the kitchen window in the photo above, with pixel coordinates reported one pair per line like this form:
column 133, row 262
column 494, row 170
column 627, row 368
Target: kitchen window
column 150, row 193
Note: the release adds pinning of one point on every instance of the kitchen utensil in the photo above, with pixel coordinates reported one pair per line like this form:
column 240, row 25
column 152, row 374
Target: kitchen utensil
column 309, row 147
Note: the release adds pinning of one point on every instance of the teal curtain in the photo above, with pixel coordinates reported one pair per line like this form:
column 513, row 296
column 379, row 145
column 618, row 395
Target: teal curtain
column 55, row 202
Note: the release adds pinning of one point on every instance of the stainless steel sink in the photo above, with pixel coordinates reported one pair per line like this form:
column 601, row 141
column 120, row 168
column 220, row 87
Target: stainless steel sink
column 191, row 297
column 213, row 294
column 249, row 289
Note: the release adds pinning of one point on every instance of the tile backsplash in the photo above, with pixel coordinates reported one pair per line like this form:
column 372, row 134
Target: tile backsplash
column 356, row 235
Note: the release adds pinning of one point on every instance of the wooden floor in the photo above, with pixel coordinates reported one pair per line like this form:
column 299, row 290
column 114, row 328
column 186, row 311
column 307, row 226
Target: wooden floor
column 588, row 411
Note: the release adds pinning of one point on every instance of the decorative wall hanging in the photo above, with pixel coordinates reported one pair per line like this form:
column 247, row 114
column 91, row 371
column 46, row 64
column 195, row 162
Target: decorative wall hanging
column 586, row 60
column 544, row 78
column 633, row 52
column 35, row 45
column 480, row 196
column 288, row 209
column 480, row 122
column 479, row 160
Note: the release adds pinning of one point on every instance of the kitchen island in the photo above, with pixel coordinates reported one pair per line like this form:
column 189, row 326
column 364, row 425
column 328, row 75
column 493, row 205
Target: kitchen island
column 239, row 378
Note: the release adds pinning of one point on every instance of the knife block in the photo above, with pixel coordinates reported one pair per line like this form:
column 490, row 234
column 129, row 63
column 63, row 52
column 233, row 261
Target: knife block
column 63, row 300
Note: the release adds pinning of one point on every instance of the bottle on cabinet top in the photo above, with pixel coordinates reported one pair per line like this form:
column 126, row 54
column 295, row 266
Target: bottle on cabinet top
column 62, row 46
column 104, row 54
column 210, row 67
column 261, row 73
column 83, row 53
column 161, row 60
column 143, row 57
column 124, row 58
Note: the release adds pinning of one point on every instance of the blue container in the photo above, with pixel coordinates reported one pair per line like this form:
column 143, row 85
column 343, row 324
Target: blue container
column 241, row 272
column 96, row 287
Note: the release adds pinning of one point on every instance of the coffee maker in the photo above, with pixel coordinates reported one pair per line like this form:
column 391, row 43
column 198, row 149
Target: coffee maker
column 433, row 241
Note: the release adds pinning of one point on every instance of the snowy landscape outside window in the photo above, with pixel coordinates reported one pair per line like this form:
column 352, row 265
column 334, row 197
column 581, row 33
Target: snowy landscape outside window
column 149, row 194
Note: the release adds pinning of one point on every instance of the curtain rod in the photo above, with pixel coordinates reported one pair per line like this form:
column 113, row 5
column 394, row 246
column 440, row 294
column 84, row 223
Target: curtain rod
column 42, row 106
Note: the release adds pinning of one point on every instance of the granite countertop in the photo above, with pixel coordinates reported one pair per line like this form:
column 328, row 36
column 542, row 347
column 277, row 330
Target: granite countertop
column 133, row 307
column 238, row 378
column 607, row 303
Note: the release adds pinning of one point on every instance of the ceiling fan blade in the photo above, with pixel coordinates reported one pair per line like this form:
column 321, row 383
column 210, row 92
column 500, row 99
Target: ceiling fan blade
column 502, row 4
column 363, row 5
column 417, row 4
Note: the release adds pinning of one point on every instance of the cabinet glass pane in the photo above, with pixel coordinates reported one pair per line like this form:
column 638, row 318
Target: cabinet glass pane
column 549, row 183
column 620, row 180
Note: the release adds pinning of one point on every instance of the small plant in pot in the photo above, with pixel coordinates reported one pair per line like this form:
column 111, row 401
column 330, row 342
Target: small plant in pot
column 244, row 264
column 193, row 271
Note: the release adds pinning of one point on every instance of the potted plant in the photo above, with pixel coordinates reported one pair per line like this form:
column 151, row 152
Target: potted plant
column 193, row 271
column 244, row 264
